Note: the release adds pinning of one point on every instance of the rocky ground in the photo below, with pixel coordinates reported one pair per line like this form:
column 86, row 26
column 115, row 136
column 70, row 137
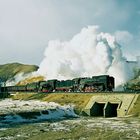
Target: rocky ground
column 82, row 128
column 60, row 124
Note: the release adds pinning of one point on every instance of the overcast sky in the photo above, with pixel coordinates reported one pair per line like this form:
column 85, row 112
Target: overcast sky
column 26, row 26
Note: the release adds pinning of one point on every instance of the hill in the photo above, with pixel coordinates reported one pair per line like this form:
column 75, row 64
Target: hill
column 134, row 84
column 8, row 71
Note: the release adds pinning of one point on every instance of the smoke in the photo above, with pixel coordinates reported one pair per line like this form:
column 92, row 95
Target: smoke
column 87, row 54
column 21, row 77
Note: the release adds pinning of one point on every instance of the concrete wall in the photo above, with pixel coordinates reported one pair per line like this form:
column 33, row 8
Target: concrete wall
column 112, row 105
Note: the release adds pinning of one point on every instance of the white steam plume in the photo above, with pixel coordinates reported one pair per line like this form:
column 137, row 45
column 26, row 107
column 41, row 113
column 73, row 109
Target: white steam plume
column 20, row 77
column 88, row 53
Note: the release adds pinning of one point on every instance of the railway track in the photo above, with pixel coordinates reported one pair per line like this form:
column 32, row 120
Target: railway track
column 102, row 92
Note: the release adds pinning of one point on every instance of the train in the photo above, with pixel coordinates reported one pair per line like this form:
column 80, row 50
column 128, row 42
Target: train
column 82, row 84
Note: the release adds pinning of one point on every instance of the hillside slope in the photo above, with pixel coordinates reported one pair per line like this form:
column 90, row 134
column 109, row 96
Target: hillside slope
column 134, row 84
column 8, row 71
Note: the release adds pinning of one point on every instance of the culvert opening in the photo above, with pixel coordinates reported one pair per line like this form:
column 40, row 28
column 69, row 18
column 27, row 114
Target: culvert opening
column 111, row 110
column 97, row 109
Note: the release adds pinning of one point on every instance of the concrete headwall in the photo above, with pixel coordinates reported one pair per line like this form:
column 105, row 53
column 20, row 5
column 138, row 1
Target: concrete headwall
column 110, row 105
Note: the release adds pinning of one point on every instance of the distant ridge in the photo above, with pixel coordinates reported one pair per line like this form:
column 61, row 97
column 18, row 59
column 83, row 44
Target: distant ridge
column 8, row 71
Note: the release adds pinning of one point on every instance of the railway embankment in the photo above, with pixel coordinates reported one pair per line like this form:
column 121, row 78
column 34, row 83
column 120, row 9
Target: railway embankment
column 92, row 104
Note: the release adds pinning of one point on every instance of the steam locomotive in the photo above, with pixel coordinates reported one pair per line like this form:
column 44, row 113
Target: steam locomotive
column 85, row 84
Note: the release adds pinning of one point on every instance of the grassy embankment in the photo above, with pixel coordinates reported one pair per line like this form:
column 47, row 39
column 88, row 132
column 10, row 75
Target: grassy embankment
column 78, row 100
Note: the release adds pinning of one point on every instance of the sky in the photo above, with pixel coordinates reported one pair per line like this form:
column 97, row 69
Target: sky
column 26, row 26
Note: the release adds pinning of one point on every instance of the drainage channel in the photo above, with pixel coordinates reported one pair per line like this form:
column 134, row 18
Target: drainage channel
column 104, row 109
column 97, row 109
column 110, row 110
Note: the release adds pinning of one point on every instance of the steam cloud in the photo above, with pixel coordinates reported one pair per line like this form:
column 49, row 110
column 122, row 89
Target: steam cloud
column 87, row 54
column 20, row 77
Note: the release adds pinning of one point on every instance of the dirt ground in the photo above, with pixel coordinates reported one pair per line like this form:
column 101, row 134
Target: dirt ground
column 83, row 128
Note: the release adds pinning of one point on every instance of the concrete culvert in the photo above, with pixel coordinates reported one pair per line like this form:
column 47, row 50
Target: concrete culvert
column 110, row 110
column 97, row 109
